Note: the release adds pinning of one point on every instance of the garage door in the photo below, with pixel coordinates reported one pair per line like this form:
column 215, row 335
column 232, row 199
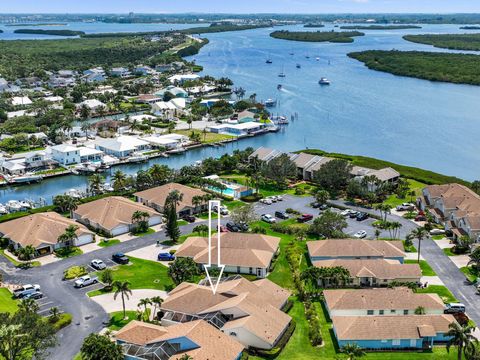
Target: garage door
column 84, row 239
column 123, row 229
column 154, row 220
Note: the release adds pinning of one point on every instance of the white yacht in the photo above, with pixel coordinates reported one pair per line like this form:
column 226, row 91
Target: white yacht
column 324, row 81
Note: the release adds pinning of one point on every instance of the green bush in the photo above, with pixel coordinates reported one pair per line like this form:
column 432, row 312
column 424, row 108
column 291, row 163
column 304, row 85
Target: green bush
column 63, row 321
column 299, row 191
column 292, row 211
column 74, row 272
column 257, row 229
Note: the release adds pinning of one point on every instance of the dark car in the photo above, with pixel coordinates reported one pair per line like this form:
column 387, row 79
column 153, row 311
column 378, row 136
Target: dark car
column 34, row 295
column 242, row 226
column 420, row 218
column 232, row 227
column 362, row 216
column 323, row 207
column 315, row 205
column 353, row 214
column 281, row 215
column 165, row 257
column 304, row 218
column 223, row 228
column 120, row 258
column 189, row 218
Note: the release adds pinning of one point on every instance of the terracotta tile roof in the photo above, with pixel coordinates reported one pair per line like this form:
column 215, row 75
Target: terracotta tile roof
column 212, row 344
column 390, row 327
column 38, row 229
column 237, row 249
column 112, row 211
column 378, row 268
column 158, row 195
column 258, row 303
column 355, row 247
column 381, row 298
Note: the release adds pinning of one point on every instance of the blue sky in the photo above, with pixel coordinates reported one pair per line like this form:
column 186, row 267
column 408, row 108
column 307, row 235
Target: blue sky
column 242, row 6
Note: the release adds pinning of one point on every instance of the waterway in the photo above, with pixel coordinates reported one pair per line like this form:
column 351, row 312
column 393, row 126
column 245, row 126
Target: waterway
column 431, row 125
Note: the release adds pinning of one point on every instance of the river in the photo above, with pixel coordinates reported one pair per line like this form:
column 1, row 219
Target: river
column 408, row 121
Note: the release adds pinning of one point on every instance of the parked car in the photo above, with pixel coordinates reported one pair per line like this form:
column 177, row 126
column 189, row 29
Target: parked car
column 454, row 308
column 189, row 218
column 272, row 198
column 25, row 289
column 232, row 227
column 223, row 228
column 346, row 212
column 323, row 207
column 304, row 218
column 98, row 264
column 34, row 295
column 437, row 232
column 315, row 205
column 268, row 218
column 165, row 256
column 242, row 226
column 405, row 207
column 85, row 280
column 420, row 218
column 279, row 198
column 25, row 293
column 353, row 214
column 362, row 216
column 266, row 201
column 360, row 234
column 120, row 258
column 223, row 210
column 281, row 215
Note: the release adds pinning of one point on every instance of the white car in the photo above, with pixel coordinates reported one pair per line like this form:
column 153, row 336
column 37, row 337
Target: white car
column 268, row 218
column 279, row 198
column 272, row 198
column 85, row 281
column 98, row 264
column 360, row 234
column 437, row 232
column 405, row 207
column 346, row 212
column 266, row 201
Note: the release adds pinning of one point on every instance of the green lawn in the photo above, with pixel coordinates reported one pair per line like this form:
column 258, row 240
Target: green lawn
column 266, row 189
column 148, row 232
column 470, row 272
column 206, row 138
column 426, row 269
column 15, row 262
column 117, row 321
column 68, row 252
column 7, row 304
column 182, row 222
column 441, row 290
column 438, row 237
column 232, row 204
column 417, row 186
column 108, row 242
column 142, row 274
column 409, row 249
column 449, row 252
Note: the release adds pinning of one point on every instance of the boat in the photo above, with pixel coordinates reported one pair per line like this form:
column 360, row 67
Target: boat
column 279, row 86
column 108, row 187
column 74, row 193
column 3, row 210
column 269, row 61
column 27, row 178
column 282, row 73
column 317, row 58
column 270, row 103
column 298, row 66
column 135, row 158
column 324, row 81
column 198, row 163
column 307, row 56
column 292, row 53
column 25, row 205
column 13, row 206
column 176, row 151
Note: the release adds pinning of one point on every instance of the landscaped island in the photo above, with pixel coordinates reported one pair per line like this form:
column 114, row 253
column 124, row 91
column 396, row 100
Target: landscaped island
column 379, row 27
column 448, row 41
column 471, row 27
column 49, row 32
column 312, row 25
column 319, row 36
column 446, row 67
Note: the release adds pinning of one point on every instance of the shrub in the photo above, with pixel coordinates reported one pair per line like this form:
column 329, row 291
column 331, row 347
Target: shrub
column 172, row 252
column 292, row 211
column 299, row 191
column 63, row 321
column 251, row 198
column 257, row 229
column 74, row 272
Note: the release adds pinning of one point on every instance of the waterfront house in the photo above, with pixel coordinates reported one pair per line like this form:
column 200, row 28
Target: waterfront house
column 164, row 108
column 264, row 154
column 122, row 146
column 355, row 249
column 167, row 141
column 197, row 339
column 147, row 99
column 142, row 70
column 396, row 301
column 249, row 312
column 164, row 68
column 173, row 90
column 374, row 272
column 241, row 253
column 156, row 197
column 20, row 101
column 113, row 215
column 88, row 154
column 20, row 163
column 65, row 154
column 181, row 78
column 42, row 231
column 120, row 72
column 242, row 129
column 92, row 104
column 392, row 332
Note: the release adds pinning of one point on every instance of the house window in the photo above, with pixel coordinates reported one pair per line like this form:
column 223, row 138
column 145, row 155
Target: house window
column 370, row 312
column 384, row 341
column 250, row 270
column 405, row 312
column 381, row 312
column 392, row 311
column 396, row 342
column 238, row 269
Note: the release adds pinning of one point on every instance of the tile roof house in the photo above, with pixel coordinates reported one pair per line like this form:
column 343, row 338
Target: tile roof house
column 380, row 301
column 155, row 198
column 113, row 214
column 392, row 332
column 250, row 312
column 42, row 231
column 197, row 339
column 240, row 253
column 374, row 272
column 355, row 249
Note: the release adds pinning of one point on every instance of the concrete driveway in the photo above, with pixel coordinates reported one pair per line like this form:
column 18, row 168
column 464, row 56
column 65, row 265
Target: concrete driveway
column 110, row 305
column 151, row 252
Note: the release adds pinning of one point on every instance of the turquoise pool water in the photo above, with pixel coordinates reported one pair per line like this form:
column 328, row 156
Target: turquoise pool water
column 228, row 191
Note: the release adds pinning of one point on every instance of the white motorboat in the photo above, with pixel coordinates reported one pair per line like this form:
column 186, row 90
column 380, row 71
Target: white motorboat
column 270, row 103
column 3, row 210
column 324, row 81
column 13, row 206
column 74, row 193
column 27, row 178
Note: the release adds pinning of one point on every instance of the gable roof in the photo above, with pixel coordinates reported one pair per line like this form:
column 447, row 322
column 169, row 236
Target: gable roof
column 237, row 249
column 211, row 343
column 159, row 194
column 390, row 327
column 381, row 298
column 355, row 248
column 39, row 229
column 112, row 211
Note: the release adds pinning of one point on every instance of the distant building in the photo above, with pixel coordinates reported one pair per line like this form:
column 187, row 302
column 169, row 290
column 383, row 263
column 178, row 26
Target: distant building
column 65, row 154
column 21, row 101
column 120, row 72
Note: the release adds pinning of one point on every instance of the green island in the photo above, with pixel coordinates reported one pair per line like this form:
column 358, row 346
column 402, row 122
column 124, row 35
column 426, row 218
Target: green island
column 444, row 67
column 319, row 36
column 471, row 27
column 379, row 27
column 448, row 41
column 49, row 32
column 313, row 25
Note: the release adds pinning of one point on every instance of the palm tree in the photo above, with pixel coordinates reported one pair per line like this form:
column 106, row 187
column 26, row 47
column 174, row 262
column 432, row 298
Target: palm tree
column 157, row 302
column 475, row 259
column 69, row 236
column 353, row 351
column 85, row 128
column 461, row 337
column 27, row 253
column 419, row 234
column 95, row 183
column 197, row 201
column 144, row 302
column 174, row 198
column 54, row 313
column 140, row 220
column 28, row 306
column 160, row 173
column 122, row 288
column 119, row 178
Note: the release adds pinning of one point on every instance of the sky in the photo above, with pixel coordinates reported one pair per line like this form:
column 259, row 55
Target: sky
column 242, row 6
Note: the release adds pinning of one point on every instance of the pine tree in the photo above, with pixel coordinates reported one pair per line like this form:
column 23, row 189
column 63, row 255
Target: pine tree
column 171, row 227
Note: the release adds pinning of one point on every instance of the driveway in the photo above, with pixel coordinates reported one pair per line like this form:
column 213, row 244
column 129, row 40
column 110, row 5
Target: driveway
column 151, row 252
column 109, row 304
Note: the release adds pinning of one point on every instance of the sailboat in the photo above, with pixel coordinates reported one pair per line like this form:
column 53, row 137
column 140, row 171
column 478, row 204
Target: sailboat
column 298, row 66
column 269, row 61
column 282, row 74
